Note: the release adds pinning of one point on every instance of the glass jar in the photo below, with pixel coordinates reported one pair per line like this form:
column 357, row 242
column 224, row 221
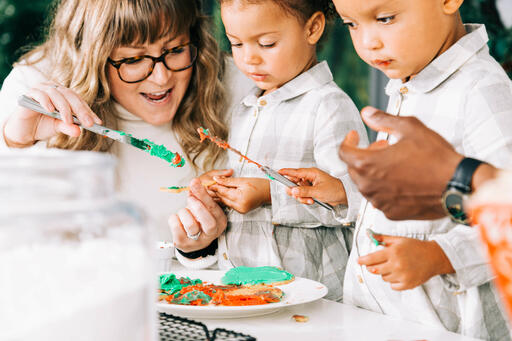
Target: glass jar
column 75, row 263
column 491, row 211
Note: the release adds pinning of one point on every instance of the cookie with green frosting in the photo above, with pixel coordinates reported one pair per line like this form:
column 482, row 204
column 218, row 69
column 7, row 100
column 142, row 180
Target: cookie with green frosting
column 245, row 275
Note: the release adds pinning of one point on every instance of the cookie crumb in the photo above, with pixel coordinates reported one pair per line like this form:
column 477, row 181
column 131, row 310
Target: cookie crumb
column 300, row 318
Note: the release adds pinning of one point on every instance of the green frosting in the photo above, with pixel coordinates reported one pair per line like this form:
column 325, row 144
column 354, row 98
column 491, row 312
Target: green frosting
column 192, row 296
column 163, row 153
column 255, row 275
column 170, row 284
column 154, row 149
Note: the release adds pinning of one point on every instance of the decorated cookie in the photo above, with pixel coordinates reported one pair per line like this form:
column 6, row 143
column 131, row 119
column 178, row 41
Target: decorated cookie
column 243, row 275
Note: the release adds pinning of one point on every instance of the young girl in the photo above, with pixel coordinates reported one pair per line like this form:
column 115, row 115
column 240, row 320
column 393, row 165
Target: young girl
column 432, row 272
column 91, row 65
column 295, row 116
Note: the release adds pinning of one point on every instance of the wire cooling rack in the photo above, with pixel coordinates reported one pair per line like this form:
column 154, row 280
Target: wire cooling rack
column 179, row 328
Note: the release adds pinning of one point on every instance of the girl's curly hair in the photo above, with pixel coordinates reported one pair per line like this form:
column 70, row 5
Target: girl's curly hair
column 303, row 9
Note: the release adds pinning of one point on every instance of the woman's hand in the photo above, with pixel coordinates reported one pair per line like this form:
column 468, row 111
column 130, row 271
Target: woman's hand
column 25, row 127
column 202, row 214
column 242, row 194
column 314, row 183
column 406, row 262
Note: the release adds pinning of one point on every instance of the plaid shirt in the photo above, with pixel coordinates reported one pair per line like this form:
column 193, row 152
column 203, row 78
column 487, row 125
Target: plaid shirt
column 466, row 97
column 299, row 125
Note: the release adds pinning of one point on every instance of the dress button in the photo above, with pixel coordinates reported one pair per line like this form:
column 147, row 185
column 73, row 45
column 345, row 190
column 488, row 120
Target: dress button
column 255, row 112
column 263, row 102
column 360, row 279
column 404, row 90
column 225, row 256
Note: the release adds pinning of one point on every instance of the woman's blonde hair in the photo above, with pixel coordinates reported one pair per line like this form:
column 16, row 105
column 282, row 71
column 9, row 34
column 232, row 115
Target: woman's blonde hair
column 82, row 36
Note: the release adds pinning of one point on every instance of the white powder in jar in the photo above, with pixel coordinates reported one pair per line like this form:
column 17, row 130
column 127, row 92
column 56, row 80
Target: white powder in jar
column 96, row 289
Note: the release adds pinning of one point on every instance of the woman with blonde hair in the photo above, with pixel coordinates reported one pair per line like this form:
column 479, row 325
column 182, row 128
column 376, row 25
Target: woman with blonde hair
column 147, row 67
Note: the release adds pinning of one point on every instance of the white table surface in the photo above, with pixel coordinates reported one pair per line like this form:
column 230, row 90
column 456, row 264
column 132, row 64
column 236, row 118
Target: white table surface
column 328, row 320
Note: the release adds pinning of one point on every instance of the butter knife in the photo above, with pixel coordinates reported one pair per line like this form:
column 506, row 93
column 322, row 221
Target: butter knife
column 119, row 136
column 274, row 175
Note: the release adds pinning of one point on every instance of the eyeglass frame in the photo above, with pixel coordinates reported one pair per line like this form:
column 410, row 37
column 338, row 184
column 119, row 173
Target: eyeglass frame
column 118, row 63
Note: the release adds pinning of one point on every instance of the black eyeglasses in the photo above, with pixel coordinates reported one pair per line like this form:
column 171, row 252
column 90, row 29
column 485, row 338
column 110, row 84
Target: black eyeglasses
column 137, row 69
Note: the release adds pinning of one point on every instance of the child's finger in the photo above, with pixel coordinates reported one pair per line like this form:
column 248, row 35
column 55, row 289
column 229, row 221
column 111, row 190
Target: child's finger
column 374, row 258
column 292, row 178
column 219, row 172
column 229, row 203
column 382, row 269
column 386, row 240
column 306, row 201
column 400, row 286
column 225, row 193
column 306, row 192
column 228, row 182
column 296, row 173
column 390, row 278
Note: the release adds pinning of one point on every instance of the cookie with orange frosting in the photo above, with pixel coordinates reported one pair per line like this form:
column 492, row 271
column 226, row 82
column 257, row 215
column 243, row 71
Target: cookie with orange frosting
column 246, row 275
column 186, row 291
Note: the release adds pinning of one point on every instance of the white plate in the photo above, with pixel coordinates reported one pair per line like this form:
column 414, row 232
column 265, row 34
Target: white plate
column 299, row 291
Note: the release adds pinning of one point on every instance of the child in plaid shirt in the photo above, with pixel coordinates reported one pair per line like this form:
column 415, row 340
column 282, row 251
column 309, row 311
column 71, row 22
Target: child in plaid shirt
column 441, row 72
column 295, row 116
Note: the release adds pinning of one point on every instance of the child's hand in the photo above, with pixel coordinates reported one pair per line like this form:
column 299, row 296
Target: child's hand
column 242, row 194
column 406, row 262
column 314, row 183
column 207, row 178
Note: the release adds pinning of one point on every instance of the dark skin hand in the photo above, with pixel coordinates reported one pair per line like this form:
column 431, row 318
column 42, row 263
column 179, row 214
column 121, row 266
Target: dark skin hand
column 404, row 180
column 406, row 263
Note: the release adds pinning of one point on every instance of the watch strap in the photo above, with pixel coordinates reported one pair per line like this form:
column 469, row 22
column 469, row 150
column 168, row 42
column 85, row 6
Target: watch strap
column 463, row 175
column 207, row 251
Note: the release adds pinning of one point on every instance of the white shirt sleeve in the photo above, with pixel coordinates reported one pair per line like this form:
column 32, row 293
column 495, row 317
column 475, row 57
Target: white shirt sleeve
column 488, row 137
column 17, row 83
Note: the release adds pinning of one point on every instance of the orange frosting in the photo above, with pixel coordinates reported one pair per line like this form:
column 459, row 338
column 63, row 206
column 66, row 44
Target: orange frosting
column 205, row 134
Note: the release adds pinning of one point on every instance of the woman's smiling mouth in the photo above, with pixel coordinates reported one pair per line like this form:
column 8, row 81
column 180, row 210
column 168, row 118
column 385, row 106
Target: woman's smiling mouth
column 157, row 97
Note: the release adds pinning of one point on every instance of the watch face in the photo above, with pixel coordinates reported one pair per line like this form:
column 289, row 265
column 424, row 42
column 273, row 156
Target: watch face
column 453, row 203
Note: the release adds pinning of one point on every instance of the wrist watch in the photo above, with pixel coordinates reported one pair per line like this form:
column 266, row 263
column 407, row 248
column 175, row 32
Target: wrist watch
column 458, row 189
